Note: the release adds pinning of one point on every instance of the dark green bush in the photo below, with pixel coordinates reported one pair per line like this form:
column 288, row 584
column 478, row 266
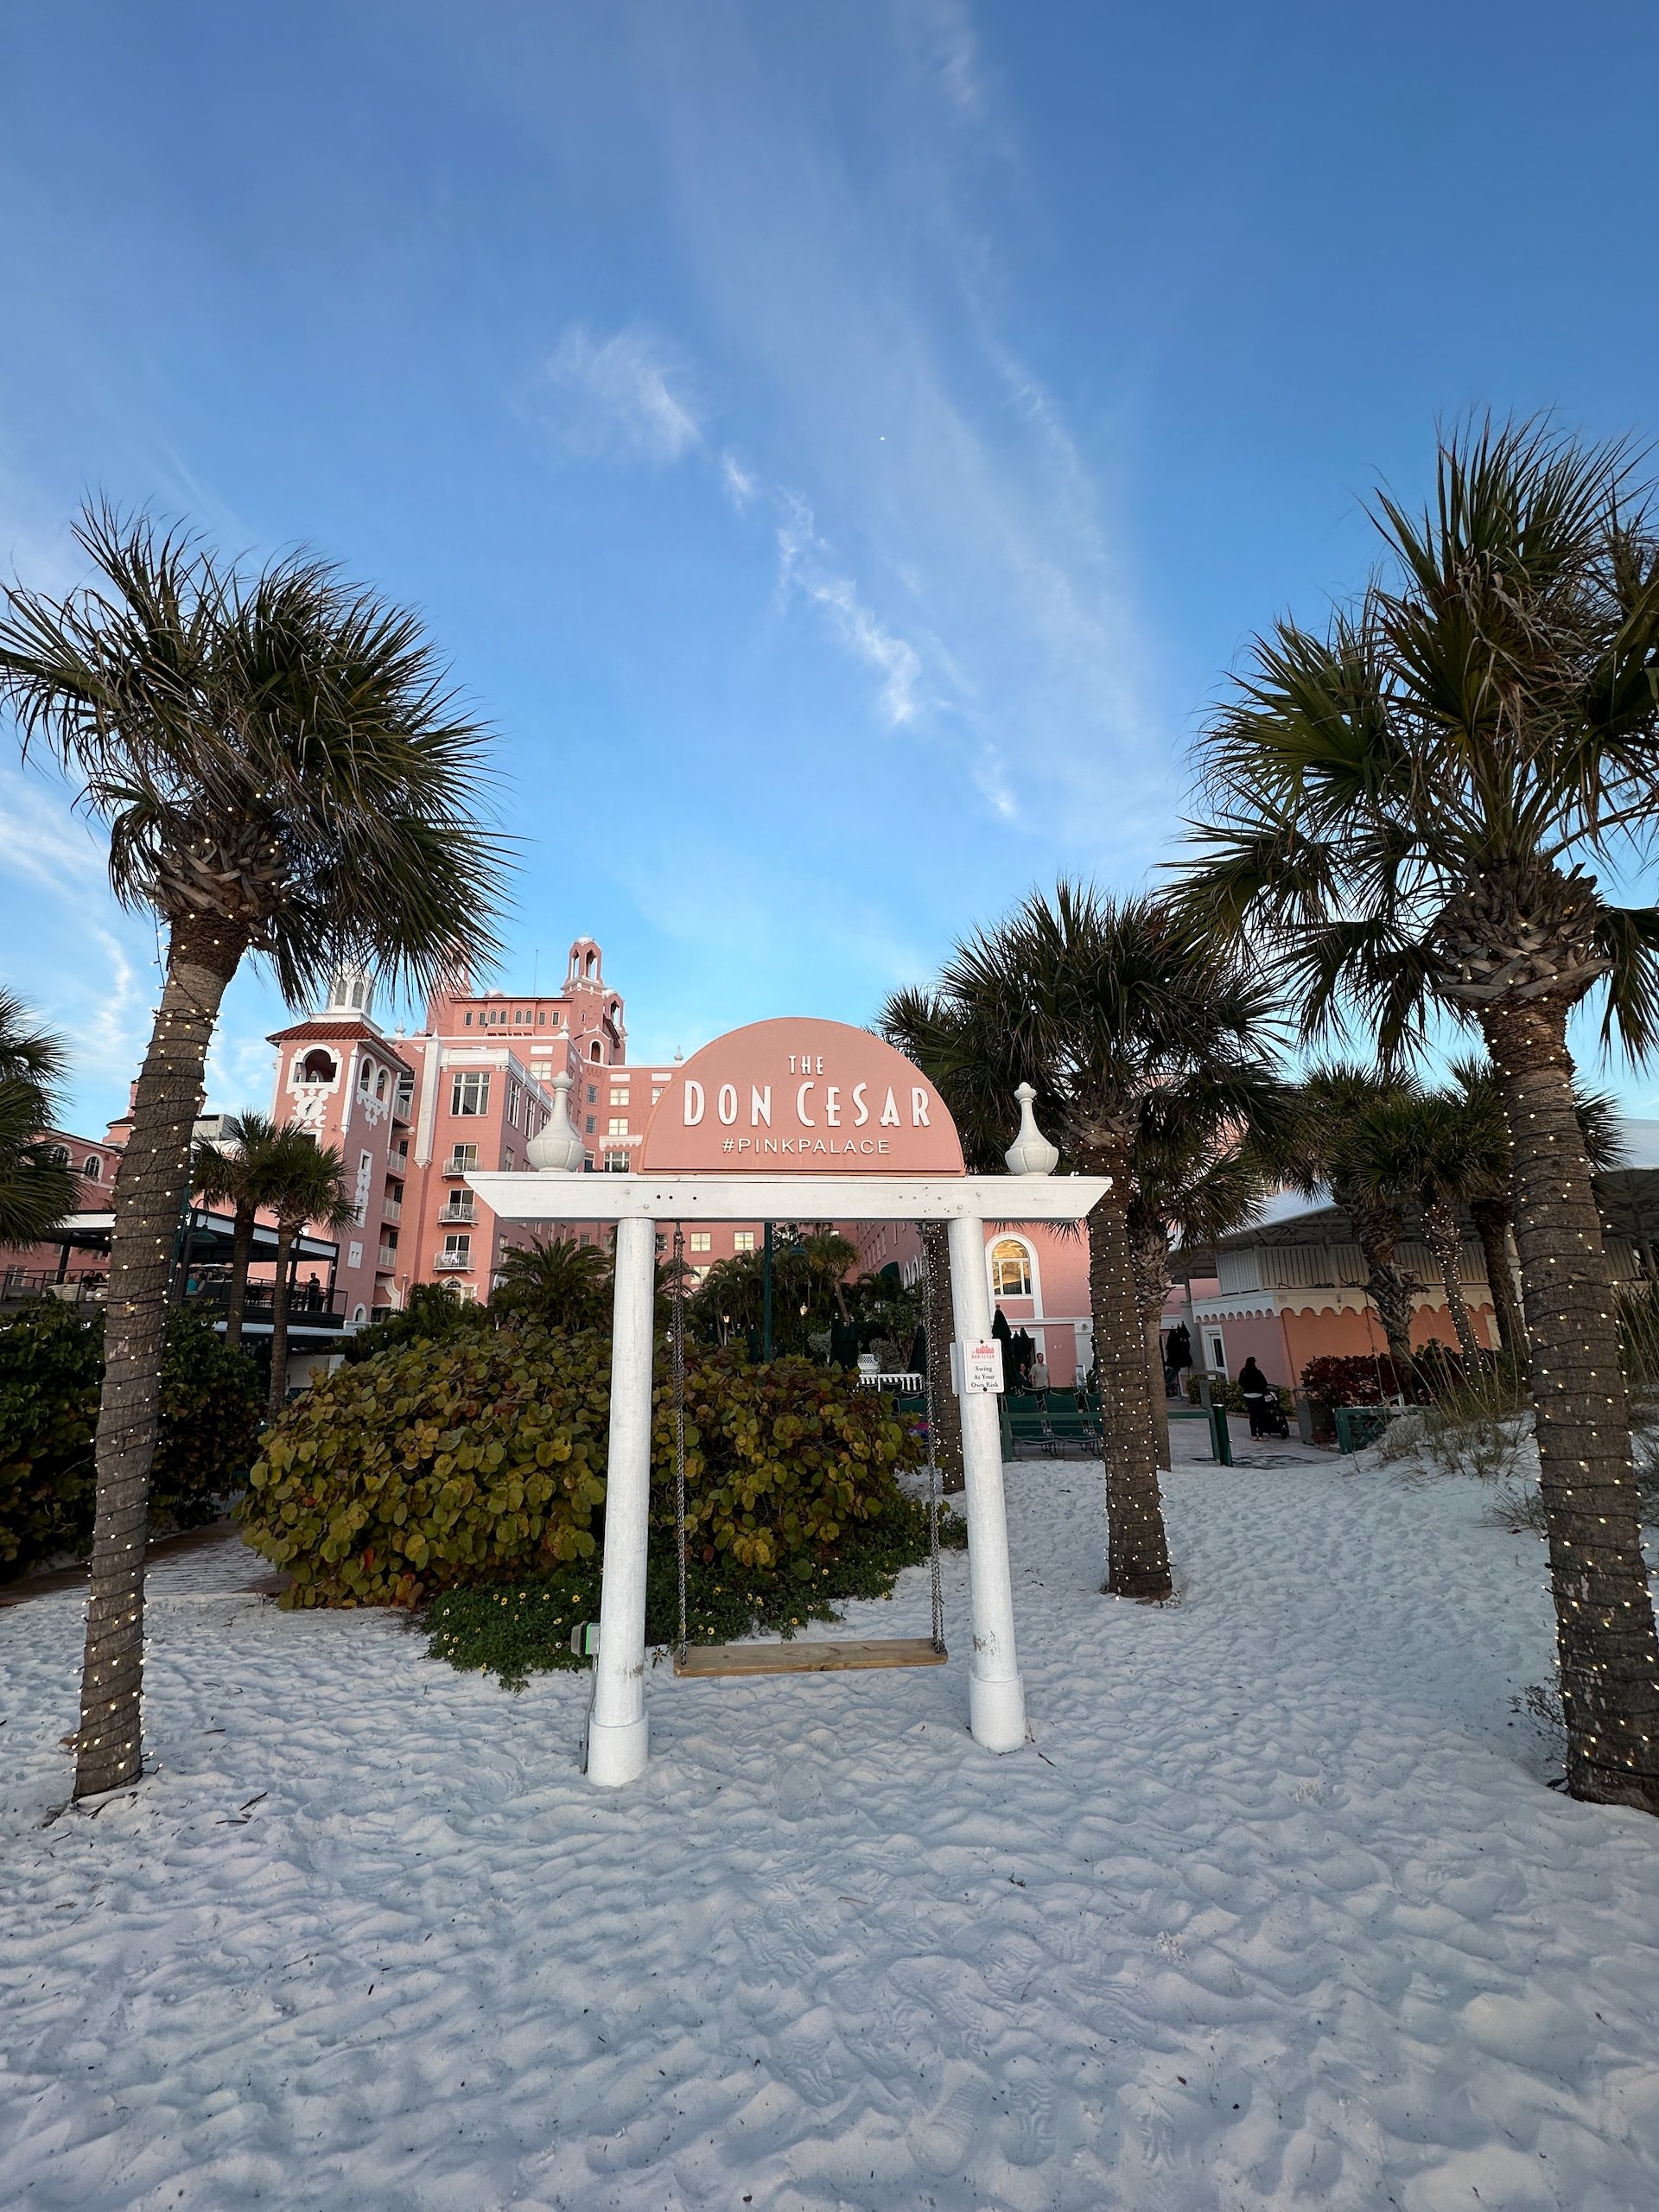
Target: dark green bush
column 471, row 1460
column 481, row 1461
column 434, row 1312
column 51, row 1370
column 1221, row 1394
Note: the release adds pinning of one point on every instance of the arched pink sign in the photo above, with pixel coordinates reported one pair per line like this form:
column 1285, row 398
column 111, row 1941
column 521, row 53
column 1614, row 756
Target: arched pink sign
column 810, row 1097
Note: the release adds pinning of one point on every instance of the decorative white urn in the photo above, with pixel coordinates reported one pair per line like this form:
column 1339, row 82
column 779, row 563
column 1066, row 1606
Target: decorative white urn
column 558, row 1150
column 1031, row 1152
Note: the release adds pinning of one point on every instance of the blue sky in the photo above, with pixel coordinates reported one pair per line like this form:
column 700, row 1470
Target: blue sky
column 841, row 446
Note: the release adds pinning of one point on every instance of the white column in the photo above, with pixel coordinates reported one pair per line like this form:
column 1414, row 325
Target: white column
column 619, row 1733
column 996, row 1698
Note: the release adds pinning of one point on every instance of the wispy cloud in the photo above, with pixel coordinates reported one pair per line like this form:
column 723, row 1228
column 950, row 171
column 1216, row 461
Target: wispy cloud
column 623, row 397
column 805, row 567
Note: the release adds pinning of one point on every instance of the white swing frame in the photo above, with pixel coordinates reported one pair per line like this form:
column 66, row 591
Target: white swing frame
column 618, row 1727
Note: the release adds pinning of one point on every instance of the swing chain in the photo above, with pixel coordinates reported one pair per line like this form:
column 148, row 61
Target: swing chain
column 678, row 1359
column 930, row 1352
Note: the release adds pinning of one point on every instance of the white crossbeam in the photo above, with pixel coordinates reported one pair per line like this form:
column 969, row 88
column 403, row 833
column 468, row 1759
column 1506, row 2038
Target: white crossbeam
column 526, row 1196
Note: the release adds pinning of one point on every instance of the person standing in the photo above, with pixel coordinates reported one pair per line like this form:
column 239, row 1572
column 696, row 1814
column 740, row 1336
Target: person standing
column 1256, row 1390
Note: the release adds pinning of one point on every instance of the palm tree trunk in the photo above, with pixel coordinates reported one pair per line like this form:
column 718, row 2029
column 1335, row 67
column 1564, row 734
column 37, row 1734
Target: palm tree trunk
column 1385, row 1285
column 1137, row 1549
column 1491, row 1220
column 1151, row 1248
column 277, row 1397
column 241, row 1253
column 150, row 1192
column 1446, row 1242
column 1604, row 1637
column 940, row 1327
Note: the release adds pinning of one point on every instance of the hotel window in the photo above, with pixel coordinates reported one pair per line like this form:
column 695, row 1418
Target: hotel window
column 458, row 1245
column 662, row 1244
column 469, row 1093
column 1010, row 1269
column 465, row 1155
column 95, row 1168
column 700, row 1240
column 589, row 1129
column 620, row 1097
column 541, row 1018
column 512, row 1104
column 593, row 1094
column 655, row 1096
column 742, row 1239
column 616, row 1163
column 469, row 1018
column 619, row 1126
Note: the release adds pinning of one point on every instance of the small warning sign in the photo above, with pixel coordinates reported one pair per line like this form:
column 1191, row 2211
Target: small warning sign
column 976, row 1366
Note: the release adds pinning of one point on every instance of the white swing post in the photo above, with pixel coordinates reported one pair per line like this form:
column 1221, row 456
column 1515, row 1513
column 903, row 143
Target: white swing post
column 996, row 1697
column 619, row 1729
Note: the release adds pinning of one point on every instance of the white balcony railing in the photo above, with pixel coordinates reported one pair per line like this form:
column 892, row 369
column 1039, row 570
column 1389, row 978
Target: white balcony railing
column 385, row 1258
column 452, row 1263
column 458, row 1210
column 392, row 1208
column 464, row 1162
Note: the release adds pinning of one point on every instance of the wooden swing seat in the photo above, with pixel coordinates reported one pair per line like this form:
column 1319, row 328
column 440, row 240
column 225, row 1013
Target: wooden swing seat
column 808, row 1657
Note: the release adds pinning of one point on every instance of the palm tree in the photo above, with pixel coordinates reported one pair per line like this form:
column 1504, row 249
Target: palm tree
column 1411, row 1151
column 1328, row 1145
column 38, row 1186
column 558, row 1283
column 1194, row 1181
column 303, row 1181
column 283, row 772
column 1403, row 813
column 1111, row 1008
column 1492, row 1203
column 236, row 1172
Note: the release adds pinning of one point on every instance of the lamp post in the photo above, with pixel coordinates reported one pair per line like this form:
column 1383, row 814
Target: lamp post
column 766, row 1292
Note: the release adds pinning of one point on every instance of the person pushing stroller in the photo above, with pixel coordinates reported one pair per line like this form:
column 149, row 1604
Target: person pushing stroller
column 1261, row 1401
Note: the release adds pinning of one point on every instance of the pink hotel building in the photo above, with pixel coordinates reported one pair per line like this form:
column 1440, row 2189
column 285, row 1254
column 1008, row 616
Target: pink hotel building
column 414, row 1114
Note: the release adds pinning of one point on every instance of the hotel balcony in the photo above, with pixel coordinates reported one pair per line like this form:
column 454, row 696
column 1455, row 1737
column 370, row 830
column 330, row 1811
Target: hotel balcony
column 392, row 1208
column 464, row 1162
column 459, row 1209
column 452, row 1263
column 385, row 1259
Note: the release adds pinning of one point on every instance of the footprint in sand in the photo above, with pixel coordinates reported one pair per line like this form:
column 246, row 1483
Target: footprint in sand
column 1026, row 2137
column 940, row 2143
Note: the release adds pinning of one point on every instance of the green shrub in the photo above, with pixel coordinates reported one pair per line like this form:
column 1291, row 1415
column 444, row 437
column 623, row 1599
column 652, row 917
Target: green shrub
column 473, row 1459
column 51, row 1370
column 526, row 1628
column 1355, row 1380
column 434, row 1312
column 1221, row 1394
column 781, row 1459
column 481, row 1462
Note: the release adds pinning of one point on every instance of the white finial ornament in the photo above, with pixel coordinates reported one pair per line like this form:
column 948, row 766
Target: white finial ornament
column 558, row 1150
column 1031, row 1152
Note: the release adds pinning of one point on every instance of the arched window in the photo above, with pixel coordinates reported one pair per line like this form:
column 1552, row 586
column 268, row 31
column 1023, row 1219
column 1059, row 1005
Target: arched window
column 94, row 1168
column 365, row 1075
column 1010, row 1268
column 380, row 1084
column 595, row 1051
column 318, row 1066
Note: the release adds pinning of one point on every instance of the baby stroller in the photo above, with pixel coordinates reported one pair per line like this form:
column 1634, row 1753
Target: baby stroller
column 1272, row 1415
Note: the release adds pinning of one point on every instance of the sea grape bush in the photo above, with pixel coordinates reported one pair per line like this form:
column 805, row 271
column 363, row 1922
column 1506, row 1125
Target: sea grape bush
column 783, row 1458
column 51, row 1370
column 477, row 1459
column 478, row 1462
